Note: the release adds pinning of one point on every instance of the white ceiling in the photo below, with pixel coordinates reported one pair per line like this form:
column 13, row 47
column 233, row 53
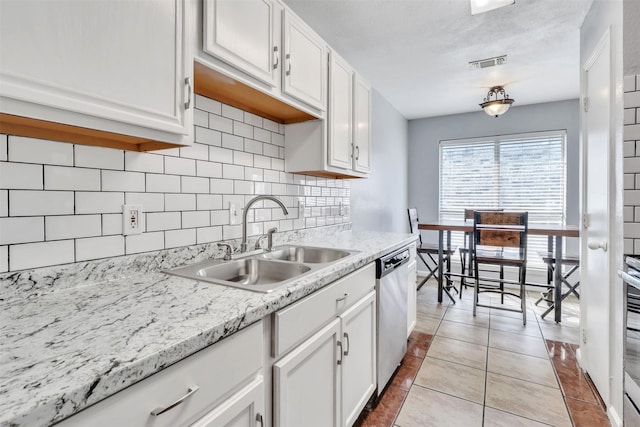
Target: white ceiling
column 416, row 52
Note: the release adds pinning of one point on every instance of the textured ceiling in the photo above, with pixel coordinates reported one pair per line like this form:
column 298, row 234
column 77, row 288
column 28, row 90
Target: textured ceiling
column 416, row 52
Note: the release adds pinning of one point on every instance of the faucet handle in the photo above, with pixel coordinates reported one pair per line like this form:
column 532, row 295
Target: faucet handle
column 258, row 245
column 228, row 251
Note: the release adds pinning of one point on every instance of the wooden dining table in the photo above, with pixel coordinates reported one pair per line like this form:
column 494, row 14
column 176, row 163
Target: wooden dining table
column 555, row 233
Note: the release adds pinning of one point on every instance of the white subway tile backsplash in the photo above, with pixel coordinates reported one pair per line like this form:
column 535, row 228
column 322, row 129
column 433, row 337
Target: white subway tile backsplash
column 242, row 129
column 33, row 255
column 209, row 105
column 31, row 150
column 232, row 142
column 35, row 203
column 232, row 172
column 157, row 221
column 122, row 181
column 208, row 169
column 177, row 238
column 195, row 184
column 631, row 100
column 277, row 139
column 72, row 226
column 68, row 178
column 143, row 162
column 208, row 234
column 231, row 232
column 3, row 148
column 180, row 202
column 262, row 135
column 207, row 202
column 629, row 116
column 21, row 176
column 252, row 119
column 243, row 187
column 144, row 242
column 632, row 132
column 222, row 155
column 221, row 186
column 179, row 166
column 271, row 176
column 196, row 151
column 271, row 125
column 261, row 162
column 4, row 259
column 241, row 158
column 253, row 174
column 208, row 136
column 232, row 112
column 163, row 183
column 221, row 124
column 99, row 247
column 88, row 156
column 220, row 217
column 629, row 148
column 628, row 246
column 253, row 146
column 4, row 203
column 201, row 118
column 151, row 202
column 262, row 188
column 630, row 83
column 21, row 230
column 277, row 164
column 111, row 224
column 195, row 219
column 94, row 202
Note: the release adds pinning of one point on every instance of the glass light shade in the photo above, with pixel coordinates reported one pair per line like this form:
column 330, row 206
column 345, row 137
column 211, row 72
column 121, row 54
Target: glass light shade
column 495, row 108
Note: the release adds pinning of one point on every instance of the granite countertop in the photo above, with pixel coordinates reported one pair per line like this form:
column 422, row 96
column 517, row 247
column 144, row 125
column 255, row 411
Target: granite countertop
column 63, row 351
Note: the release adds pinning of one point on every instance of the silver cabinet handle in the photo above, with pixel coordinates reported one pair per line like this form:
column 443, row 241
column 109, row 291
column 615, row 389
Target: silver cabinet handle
column 346, row 338
column 288, row 64
column 260, row 420
column 161, row 410
column 339, row 362
column 187, row 104
column 342, row 298
column 358, row 151
column 276, row 57
column 594, row 246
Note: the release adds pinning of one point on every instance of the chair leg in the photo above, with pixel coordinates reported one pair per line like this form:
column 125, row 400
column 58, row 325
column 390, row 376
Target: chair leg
column 501, row 285
column 523, row 296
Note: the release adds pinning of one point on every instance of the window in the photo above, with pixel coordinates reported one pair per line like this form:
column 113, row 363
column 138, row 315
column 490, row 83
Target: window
column 510, row 172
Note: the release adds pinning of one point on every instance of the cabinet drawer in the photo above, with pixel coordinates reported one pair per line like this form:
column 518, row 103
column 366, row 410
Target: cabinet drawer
column 218, row 371
column 298, row 321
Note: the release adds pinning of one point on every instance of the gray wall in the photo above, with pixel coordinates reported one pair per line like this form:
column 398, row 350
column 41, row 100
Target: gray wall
column 425, row 135
column 631, row 37
column 379, row 203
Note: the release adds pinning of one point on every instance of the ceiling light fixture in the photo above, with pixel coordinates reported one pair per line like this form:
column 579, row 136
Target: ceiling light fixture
column 497, row 106
column 481, row 6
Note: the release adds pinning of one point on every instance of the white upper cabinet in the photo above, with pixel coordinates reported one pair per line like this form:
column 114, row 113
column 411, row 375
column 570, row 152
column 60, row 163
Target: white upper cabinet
column 242, row 33
column 115, row 66
column 340, row 112
column 361, row 125
column 305, row 57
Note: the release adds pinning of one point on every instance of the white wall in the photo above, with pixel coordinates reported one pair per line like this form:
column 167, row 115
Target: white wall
column 608, row 15
column 379, row 203
column 425, row 135
column 631, row 37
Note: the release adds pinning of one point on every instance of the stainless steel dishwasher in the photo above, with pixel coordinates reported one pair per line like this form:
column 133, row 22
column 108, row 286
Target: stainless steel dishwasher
column 392, row 281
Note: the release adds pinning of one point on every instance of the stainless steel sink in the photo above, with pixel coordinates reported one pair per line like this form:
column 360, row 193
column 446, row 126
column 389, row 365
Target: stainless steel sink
column 264, row 272
column 306, row 254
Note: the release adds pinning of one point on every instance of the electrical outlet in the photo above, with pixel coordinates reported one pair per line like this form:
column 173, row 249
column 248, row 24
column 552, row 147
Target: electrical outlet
column 132, row 219
column 233, row 213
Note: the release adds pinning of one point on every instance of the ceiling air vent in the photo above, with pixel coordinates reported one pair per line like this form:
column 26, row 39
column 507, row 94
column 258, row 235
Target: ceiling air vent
column 489, row 62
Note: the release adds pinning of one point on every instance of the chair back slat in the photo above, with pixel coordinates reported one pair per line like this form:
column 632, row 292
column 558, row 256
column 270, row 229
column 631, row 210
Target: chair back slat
column 502, row 238
column 500, row 218
column 469, row 213
column 501, row 229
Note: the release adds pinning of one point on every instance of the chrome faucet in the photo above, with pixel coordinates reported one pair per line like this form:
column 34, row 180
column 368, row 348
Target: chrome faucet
column 243, row 245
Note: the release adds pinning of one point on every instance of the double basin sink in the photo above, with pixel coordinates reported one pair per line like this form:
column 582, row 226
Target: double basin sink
column 263, row 272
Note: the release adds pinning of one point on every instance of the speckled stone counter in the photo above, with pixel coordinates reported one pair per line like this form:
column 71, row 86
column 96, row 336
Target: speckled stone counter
column 68, row 348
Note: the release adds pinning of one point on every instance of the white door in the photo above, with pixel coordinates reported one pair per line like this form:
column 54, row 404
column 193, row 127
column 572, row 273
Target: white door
column 362, row 125
column 241, row 33
column 359, row 357
column 245, row 409
column 596, row 262
column 340, row 113
column 305, row 63
column 307, row 382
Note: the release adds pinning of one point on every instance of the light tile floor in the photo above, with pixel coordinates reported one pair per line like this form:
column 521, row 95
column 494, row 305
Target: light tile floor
column 487, row 370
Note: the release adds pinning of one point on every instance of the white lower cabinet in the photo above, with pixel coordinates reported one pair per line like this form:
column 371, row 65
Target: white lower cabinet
column 327, row 378
column 213, row 387
column 412, row 303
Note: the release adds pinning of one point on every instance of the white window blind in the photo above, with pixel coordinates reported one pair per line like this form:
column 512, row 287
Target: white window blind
column 510, row 172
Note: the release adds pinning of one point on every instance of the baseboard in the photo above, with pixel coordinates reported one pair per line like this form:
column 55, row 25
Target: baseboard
column 614, row 418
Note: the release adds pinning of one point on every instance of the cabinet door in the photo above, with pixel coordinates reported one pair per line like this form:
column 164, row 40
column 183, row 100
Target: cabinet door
column 359, row 354
column 340, row 113
column 362, row 125
column 241, row 33
column 412, row 298
column 124, row 61
column 307, row 380
column 245, row 409
column 305, row 63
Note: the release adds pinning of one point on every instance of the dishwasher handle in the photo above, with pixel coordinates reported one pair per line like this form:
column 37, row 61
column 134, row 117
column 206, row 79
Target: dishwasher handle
column 389, row 263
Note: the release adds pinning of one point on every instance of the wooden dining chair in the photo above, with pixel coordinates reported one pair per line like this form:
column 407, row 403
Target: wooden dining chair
column 431, row 250
column 500, row 239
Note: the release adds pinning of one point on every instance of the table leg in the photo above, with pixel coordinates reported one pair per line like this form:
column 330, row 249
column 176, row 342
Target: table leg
column 557, row 281
column 440, row 262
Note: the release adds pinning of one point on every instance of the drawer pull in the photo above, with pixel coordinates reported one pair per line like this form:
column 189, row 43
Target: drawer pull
column 339, row 362
column 342, row 298
column 260, row 420
column 346, row 338
column 161, row 410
